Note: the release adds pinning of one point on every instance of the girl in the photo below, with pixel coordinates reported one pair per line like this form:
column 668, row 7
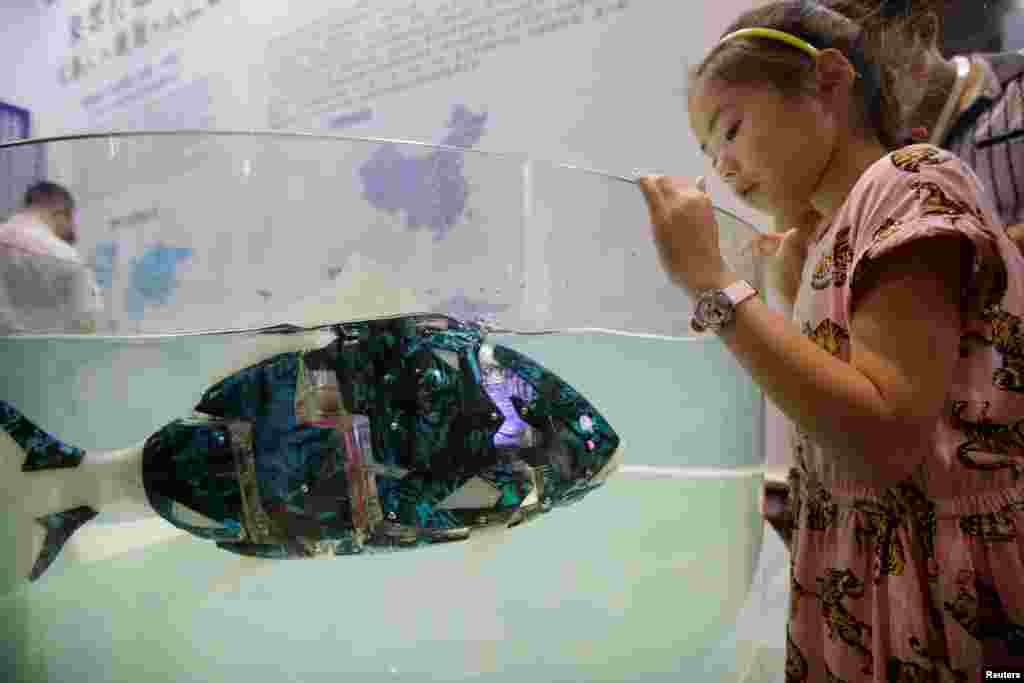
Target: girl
column 901, row 367
column 972, row 105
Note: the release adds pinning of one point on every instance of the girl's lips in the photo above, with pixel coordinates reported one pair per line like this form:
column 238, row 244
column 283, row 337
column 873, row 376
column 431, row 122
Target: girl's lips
column 746, row 192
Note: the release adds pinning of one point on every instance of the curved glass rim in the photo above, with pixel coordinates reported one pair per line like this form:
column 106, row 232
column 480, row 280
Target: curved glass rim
column 521, row 158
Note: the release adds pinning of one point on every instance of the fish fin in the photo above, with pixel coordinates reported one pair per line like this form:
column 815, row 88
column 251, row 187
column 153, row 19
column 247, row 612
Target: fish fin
column 59, row 528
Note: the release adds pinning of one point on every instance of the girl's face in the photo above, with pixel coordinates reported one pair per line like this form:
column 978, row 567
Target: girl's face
column 771, row 149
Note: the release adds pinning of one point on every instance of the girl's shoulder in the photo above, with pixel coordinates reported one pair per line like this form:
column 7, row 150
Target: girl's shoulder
column 916, row 161
column 904, row 166
column 911, row 180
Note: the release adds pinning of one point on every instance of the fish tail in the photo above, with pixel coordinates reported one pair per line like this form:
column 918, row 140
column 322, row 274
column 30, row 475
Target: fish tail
column 60, row 526
column 43, row 450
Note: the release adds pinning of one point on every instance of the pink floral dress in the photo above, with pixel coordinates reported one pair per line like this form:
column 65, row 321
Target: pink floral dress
column 923, row 581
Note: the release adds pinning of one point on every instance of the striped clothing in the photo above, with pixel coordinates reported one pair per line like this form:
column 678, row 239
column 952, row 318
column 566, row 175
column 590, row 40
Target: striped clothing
column 989, row 136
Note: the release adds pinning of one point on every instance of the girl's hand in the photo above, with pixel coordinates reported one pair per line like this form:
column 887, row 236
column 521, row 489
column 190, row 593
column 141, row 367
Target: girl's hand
column 786, row 252
column 685, row 233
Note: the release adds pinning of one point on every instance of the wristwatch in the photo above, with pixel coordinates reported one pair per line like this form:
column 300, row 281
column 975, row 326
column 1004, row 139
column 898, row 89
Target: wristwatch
column 716, row 307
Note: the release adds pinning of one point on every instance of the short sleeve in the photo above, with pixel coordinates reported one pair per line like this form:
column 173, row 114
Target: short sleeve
column 920, row 192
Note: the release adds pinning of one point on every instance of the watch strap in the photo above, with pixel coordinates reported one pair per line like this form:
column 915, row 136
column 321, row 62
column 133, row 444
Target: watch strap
column 739, row 291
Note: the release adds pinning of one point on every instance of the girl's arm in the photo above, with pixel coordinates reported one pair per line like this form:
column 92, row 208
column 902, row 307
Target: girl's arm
column 904, row 346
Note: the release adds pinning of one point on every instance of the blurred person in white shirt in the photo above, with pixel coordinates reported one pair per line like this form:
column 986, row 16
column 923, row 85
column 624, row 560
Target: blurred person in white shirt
column 45, row 286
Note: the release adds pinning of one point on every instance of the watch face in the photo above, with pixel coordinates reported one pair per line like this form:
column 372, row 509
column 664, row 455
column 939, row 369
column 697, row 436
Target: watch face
column 714, row 311
column 717, row 315
column 720, row 307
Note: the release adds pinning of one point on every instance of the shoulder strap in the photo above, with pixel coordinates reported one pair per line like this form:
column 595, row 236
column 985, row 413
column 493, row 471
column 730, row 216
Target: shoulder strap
column 1006, row 65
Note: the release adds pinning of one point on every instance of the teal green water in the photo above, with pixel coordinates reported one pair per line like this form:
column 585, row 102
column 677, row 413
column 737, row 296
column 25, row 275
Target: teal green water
column 635, row 583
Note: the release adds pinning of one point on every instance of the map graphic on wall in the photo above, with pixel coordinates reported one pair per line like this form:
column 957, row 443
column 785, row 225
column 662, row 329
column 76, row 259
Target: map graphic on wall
column 430, row 190
column 154, row 278
column 104, row 262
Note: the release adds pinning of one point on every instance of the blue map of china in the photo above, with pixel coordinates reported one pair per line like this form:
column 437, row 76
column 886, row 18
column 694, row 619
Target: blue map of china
column 104, row 259
column 153, row 278
column 430, row 189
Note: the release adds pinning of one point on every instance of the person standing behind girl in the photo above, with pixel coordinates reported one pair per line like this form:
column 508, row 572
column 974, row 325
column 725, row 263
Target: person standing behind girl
column 902, row 369
column 972, row 105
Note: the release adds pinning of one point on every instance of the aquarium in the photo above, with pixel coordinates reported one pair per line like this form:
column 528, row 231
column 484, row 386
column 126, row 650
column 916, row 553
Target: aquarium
column 211, row 251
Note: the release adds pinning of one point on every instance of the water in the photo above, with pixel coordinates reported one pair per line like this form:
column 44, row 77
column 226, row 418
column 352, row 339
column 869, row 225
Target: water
column 637, row 582
column 615, row 590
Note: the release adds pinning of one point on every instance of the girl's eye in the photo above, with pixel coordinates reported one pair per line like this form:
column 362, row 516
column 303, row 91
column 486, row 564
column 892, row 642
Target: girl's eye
column 731, row 134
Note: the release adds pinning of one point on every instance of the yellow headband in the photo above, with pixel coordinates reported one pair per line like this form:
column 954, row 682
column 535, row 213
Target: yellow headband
column 773, row 35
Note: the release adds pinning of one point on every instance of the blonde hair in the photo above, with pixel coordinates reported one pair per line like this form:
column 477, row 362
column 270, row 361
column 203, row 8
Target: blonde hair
column 750, row 57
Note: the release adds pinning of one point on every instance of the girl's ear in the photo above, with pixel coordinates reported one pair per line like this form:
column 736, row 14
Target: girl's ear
column 834, row 70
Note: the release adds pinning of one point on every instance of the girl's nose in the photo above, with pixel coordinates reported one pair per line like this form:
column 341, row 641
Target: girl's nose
column 726, row 170
column 729, row 178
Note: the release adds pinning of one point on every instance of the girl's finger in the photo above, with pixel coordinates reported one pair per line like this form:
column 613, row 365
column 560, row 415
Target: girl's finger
column 757, row 243
column 648, row 184
column 649, row 187
column 667, row 186
column 702, row 185
column 766, row 244
column 770, row 244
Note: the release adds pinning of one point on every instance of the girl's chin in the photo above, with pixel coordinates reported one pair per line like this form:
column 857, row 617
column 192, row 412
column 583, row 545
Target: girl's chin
column 759, row 202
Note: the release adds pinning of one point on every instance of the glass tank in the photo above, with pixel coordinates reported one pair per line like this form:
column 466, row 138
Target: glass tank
column 198, row 254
